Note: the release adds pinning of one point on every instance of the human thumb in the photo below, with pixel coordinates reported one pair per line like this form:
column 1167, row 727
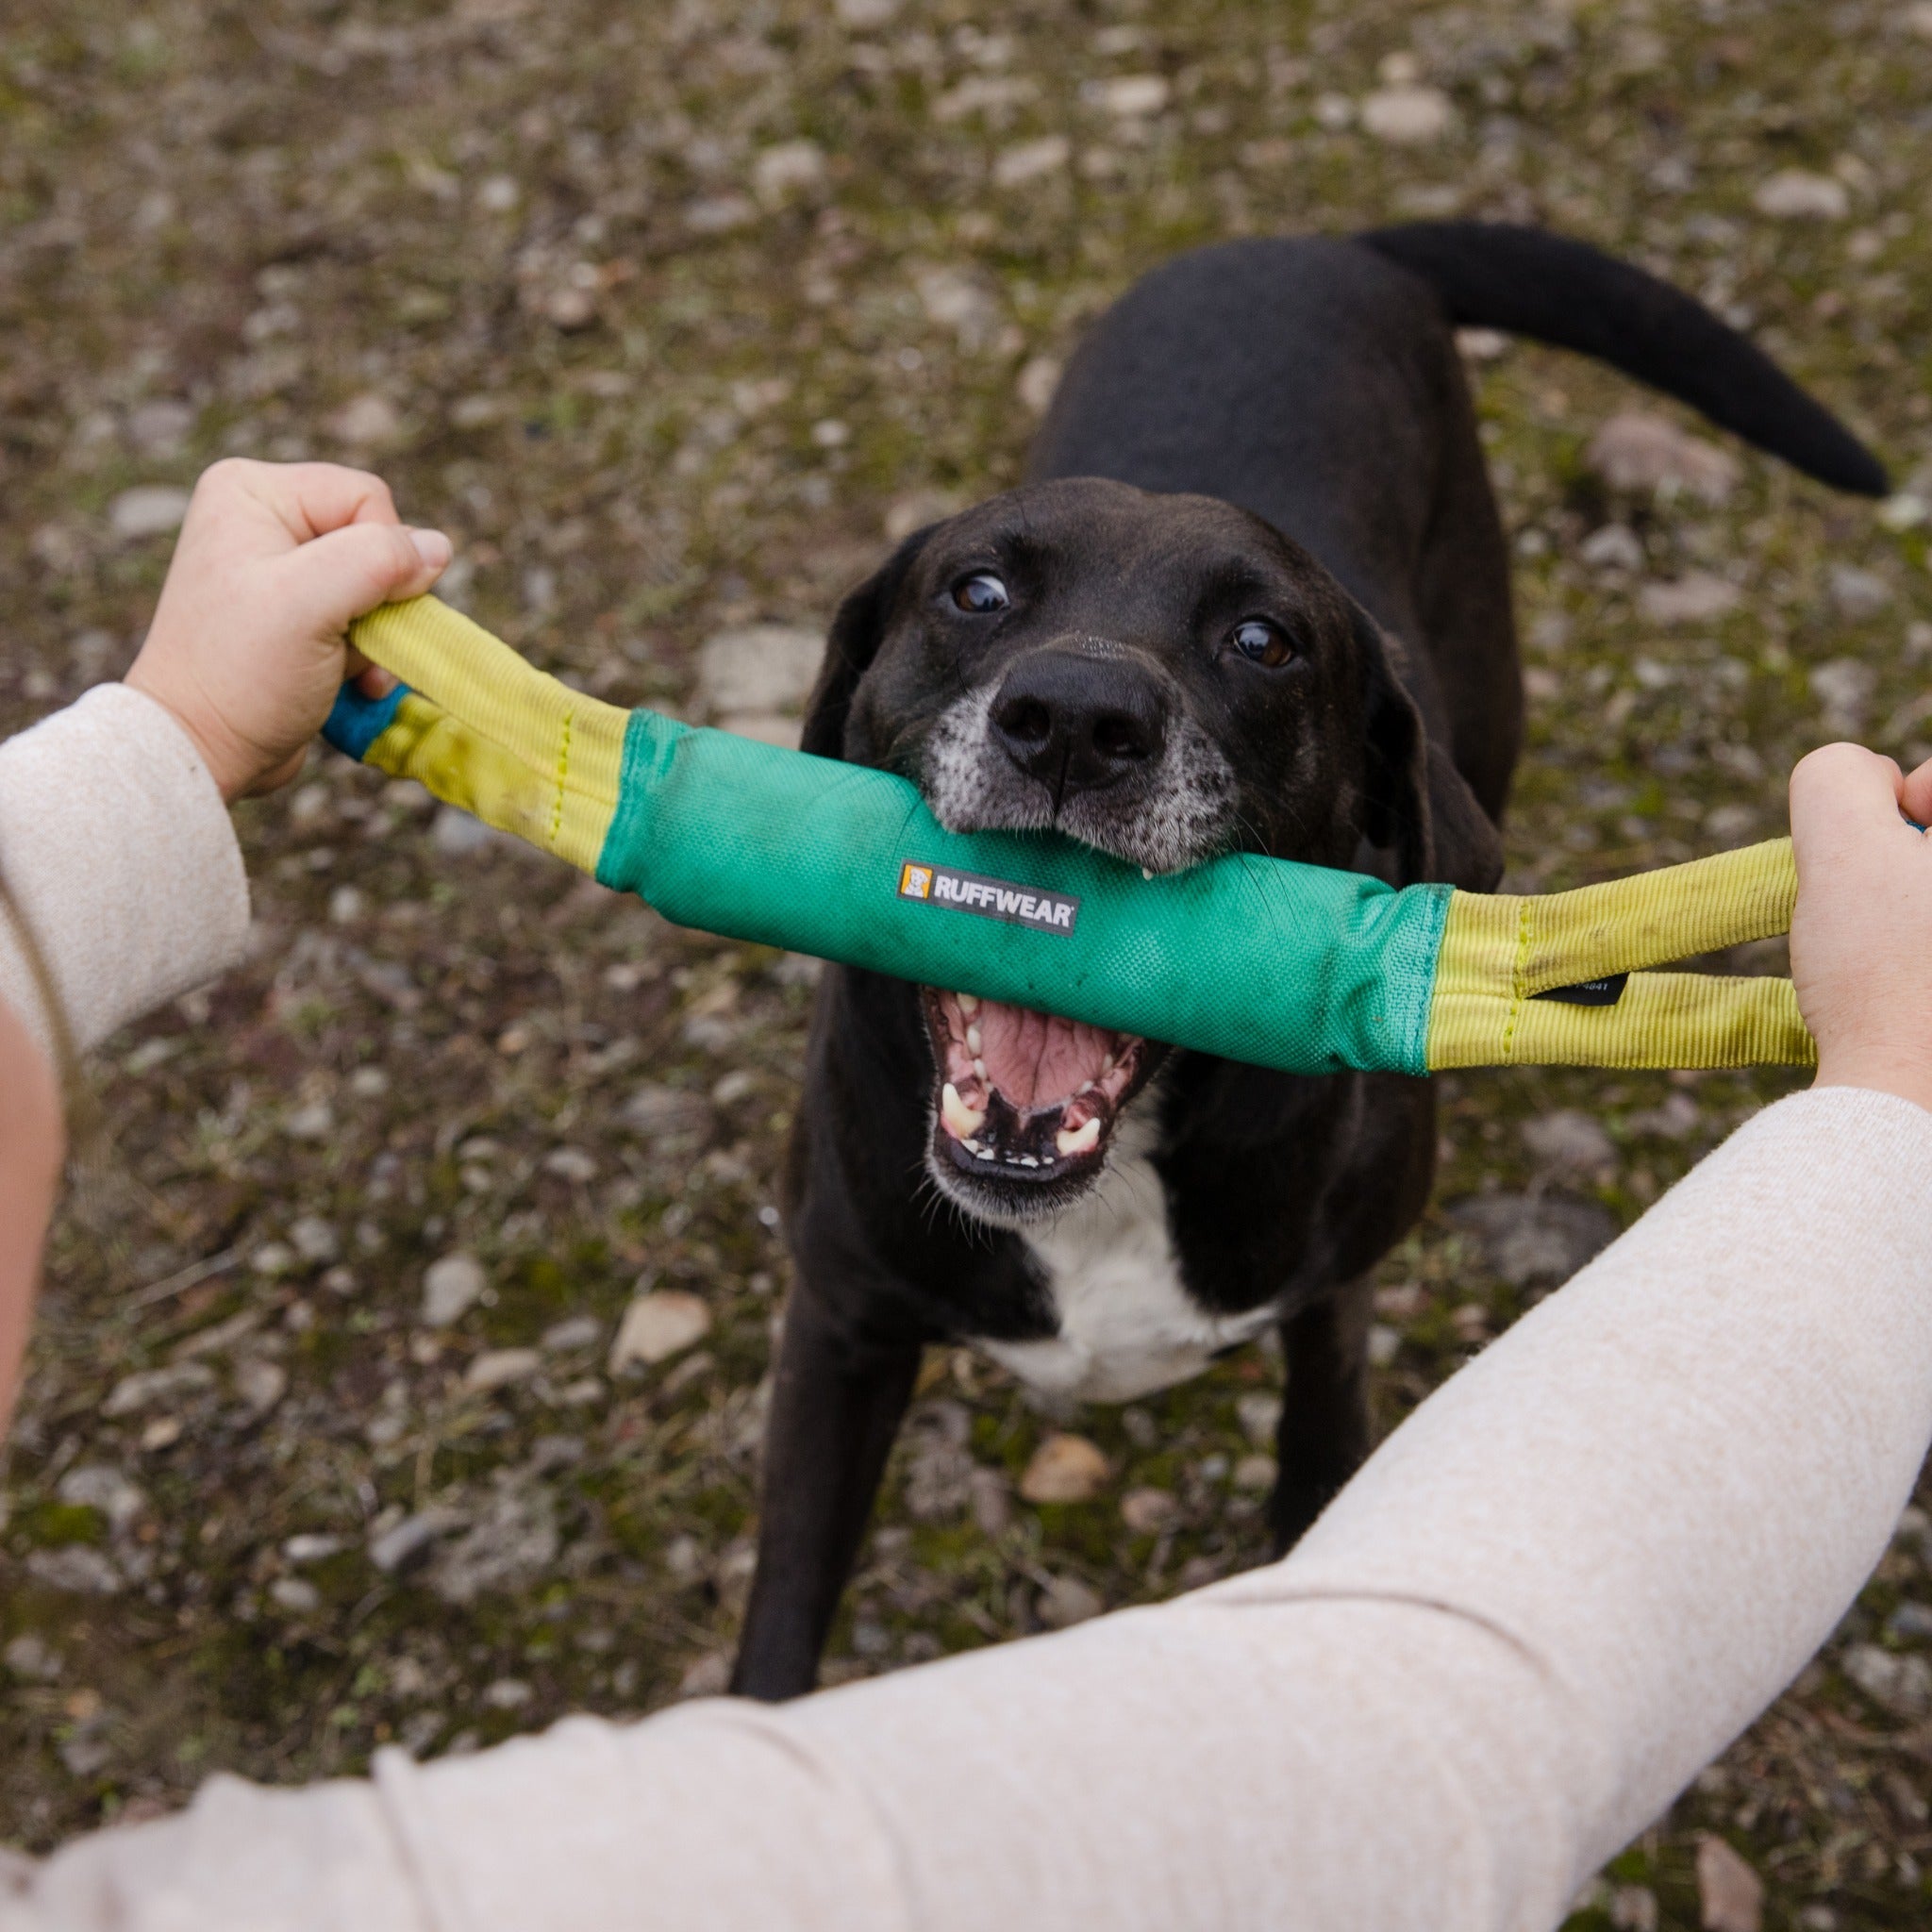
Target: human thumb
column 332, row 580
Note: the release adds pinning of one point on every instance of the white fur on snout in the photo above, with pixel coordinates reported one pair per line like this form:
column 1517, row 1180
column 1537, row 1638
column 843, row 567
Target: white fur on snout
column 1177, row 815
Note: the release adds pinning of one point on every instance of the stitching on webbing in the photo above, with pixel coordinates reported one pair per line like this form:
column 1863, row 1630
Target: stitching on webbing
column 562, row 776
column 1519, row 977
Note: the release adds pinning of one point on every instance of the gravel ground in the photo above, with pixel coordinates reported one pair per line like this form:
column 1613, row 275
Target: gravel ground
column 670, row 315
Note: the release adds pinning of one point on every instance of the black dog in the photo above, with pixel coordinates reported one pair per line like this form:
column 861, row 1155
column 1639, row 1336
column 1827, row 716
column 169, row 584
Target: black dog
column 1254, row 596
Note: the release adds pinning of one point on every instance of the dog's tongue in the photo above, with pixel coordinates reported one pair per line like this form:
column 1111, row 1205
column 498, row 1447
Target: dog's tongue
column 1037, row 1058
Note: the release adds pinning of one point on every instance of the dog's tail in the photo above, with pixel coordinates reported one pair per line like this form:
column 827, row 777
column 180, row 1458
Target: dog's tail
column 1527, row 282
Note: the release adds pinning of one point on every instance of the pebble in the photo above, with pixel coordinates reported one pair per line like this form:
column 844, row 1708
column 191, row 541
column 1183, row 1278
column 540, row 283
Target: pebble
column 95, row 1486
column 1845, row 688
column 314, row 1239
column 451, row 1288
column 1530, row 1239
column 791, row 168
column 78, row 1568
column 1640, row 452
column 1408, row 116
column 31, row 1657
column 1795, row 194
column 1067, row 1601
column 575, row 1331
column 150, row 509
column 498, row 1368
column 1134, row 96
column 1902, row 1684
column 1696, row 597
column 1148, row 1511
column 1569, row 1137
column 507, row 1693
column 1065, row 1468
column 1031, row 161
column 1633, row 1908
column 159, row 430
column 260, row 1384
column 1730, row 1895
column 405, row 1544
column 295, row 1594
column 656, row 1326
column 1039, row 381
column 365, row 422
column 313, row 1122
column 1858, row 594
column 1911, row 1620
column 456, row 835
column 156, row 1385
column 955, row 299
column 1255, row 1474
column 312, row 1546
column 570, row 1164
column 1615, row 546
column 757, row 668
column 1259, row 1414
column 706, row 1677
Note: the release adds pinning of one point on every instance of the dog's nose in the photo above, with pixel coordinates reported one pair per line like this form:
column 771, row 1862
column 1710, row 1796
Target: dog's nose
column 1079, row 722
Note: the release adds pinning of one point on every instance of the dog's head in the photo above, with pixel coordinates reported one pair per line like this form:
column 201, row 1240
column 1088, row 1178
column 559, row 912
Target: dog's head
column 1163, row 677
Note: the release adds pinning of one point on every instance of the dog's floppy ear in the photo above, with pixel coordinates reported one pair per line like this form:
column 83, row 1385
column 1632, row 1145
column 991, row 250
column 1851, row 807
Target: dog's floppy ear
column 851, row 646
column 1416, row 804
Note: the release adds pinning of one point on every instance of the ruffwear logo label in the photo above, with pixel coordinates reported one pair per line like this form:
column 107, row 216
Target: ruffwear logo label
column 969, row 891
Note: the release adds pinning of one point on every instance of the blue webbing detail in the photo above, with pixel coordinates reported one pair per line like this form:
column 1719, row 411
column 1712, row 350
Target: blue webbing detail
column 356, row 722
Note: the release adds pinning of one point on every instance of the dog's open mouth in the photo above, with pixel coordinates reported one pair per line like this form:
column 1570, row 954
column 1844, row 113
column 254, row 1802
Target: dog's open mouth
column 1028, row 1098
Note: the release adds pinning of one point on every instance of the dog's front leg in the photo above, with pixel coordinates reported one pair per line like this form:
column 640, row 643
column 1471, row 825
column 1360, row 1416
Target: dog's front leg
column 1324, row 1437
column 836, row 1406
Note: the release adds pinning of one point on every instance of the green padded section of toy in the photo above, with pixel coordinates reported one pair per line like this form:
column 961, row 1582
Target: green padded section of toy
column 1288, row 966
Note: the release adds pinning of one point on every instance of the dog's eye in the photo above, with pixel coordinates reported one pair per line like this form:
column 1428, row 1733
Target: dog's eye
column 1262, row 642
column 981, row 594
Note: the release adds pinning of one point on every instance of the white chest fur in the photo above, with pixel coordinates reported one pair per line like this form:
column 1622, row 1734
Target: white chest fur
column 1126, row 1325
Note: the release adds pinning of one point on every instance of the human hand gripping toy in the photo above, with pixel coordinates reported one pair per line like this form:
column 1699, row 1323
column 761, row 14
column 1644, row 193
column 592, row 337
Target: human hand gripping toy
column 1290, row 966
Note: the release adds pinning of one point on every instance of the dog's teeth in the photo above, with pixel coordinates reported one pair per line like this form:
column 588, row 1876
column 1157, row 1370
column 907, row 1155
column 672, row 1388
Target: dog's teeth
column 1072, row 1140
column 1087, row 1088
column 975, row 1044
column 969, row 1002
column 962, row 1121
column 1027, row 1160
column 979, row 1068
column 980, row 1153
column 1147, row 872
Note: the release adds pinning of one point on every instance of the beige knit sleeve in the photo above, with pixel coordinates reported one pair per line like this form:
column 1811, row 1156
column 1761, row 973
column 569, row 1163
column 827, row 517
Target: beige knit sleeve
column 118, row 852
column 1557, row 1592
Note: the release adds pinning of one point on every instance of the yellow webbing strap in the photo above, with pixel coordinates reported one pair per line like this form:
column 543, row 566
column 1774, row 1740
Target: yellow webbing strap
column 486, row 731
column 1499, row 951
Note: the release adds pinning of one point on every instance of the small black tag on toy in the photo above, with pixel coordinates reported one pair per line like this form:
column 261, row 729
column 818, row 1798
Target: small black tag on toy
column 970, row 892
column 1605, row 991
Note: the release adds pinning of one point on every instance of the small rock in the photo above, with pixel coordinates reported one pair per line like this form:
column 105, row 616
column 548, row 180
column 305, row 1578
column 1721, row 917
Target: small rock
column 1134, row 96
column 759, row 668
column 1730, row 1894
column 656, row 1326
column 1385, row 1344
column 507, row 1693
column 1066, row 1601
column 993, row 1502
column 28, row 1657
column 955, row 299
column 1569, row 1137
column 1148, row 1511
column 1528, row 1239
column 78, row 1568
column 1696, row 597
column 456, row 835
column 789, row 168
column 311, row 1546
column 497, row 1368
column 570, row 1164
column 94, row 1486
column 151, row 509
column 1615, row 546
column 1795, row 194
column 451, row 1286
column 708, row 1676
column 297, row 1594
column 1907, row 511
column 313, row 1122
column 512, row 1543
column 1903, row 1684
column 1638, row 451
column 1255, row 1474
column 1260, row 1416
column 1858, row 594
column 1843, row 687
column 1634, row 1908
column 653, row 1109
column 1065, row 1468
column 1408, row 116
column 365, row 422
column 159, row 430
column 1911, row 1622
column 156, row 1385
column 397, row 1550
column 1038, row 382
column 260, row 1384
column 86, row 1753
column 1031, row 161
column 718, row 214
column 314, row 1239
column 575, row 1331
column 497, row 194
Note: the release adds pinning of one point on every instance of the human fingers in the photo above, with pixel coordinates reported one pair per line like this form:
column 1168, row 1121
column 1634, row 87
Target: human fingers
column 347, row 573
